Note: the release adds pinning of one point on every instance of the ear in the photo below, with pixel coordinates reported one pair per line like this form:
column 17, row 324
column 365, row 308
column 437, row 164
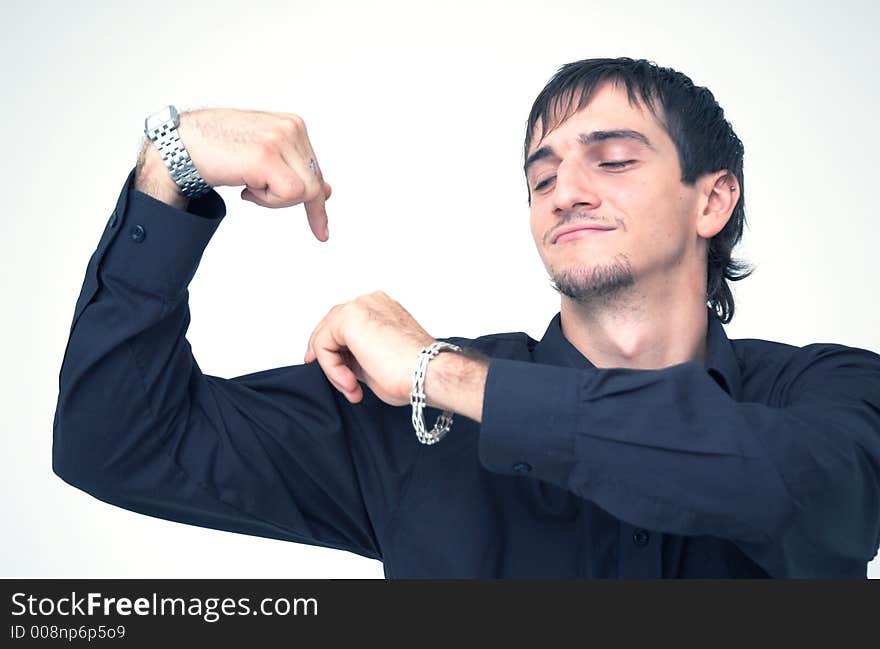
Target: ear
column 722, row 194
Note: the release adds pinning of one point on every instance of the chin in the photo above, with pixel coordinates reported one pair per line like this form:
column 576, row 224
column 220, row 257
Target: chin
column 582, row 282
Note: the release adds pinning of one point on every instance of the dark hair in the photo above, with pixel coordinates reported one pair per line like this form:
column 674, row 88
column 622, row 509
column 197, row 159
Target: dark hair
column 704, row 139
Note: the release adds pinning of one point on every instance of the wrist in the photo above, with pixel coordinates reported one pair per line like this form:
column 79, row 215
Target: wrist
column 153, row 178
column 456, row 381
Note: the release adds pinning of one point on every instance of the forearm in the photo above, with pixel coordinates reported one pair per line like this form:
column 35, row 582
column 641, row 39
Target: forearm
column 671, row 451
column 455, row 381
column 666, row 449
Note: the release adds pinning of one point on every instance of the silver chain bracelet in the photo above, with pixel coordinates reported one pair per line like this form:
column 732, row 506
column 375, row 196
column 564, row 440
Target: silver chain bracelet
column 417, row 396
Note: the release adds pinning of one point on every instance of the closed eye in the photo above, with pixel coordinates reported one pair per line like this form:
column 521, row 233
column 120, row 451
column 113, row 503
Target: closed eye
column 617, row 165
column 541, row 185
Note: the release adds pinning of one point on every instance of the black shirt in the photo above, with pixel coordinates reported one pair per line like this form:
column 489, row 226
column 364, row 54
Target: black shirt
column 765, row 462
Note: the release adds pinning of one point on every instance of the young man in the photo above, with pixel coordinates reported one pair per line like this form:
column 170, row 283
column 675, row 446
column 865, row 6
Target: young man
column 634, row 440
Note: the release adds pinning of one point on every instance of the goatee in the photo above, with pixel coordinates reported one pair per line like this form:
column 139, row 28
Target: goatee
column 602, row 281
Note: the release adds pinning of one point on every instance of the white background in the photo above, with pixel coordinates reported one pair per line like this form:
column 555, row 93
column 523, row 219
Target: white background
column 416, row 112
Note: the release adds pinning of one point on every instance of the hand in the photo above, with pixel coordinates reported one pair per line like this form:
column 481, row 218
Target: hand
column 371, row 339
column 268, row 153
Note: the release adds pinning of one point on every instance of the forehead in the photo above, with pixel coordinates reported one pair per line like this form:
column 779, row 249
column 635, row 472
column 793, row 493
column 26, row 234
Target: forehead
column 609, row 107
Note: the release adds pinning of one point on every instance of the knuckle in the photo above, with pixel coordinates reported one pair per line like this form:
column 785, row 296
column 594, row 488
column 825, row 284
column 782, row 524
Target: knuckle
column 311, row 188
column 278, row 135
column 294, row 122
column 292, row 190
column 358, row 305
column 286, row 129
column 267, row 150
column 273, row 138
column 289, row 128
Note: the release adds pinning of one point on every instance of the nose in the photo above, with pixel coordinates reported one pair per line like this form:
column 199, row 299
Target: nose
column 573, row 188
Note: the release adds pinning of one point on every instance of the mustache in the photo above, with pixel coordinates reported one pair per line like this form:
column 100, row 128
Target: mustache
column 582, row 218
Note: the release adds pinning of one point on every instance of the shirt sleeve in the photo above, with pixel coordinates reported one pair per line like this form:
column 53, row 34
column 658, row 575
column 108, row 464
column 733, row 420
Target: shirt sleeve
column 795, row 484
column 278, row 453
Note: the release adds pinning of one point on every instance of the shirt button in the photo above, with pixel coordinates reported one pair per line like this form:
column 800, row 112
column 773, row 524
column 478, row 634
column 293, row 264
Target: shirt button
column 641, row 537
column 522, row 467
column 138, row 234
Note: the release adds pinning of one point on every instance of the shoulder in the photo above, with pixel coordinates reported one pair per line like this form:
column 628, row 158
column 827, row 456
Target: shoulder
column 760, row 355
column 776, row 370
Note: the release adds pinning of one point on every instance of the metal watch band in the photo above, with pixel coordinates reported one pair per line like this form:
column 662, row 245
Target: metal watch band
column 161, row 128
column 417, row 396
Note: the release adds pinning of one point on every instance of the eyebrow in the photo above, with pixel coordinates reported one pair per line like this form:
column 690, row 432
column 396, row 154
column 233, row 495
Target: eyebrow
column 591, row 138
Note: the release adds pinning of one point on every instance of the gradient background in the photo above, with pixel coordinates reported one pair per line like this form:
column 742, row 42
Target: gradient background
column 416, row 112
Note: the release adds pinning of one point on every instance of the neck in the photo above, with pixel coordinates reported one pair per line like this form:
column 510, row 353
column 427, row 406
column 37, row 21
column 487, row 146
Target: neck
column 639, row 327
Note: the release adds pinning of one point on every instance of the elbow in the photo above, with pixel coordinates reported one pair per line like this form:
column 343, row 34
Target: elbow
column 67, row 472
column 773, row 510
column 780, row 514
column 65, row 466
column 70, row 460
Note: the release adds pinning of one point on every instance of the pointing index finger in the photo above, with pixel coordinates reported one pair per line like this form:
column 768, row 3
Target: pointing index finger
column 315, row 208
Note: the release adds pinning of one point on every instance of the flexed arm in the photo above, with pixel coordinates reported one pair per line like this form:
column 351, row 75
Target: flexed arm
column 138, row 424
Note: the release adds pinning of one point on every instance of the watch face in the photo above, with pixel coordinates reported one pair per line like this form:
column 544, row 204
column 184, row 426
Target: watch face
column 166, row 115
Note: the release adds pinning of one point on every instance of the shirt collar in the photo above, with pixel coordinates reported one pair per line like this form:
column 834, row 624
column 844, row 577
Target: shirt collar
column 721, row 364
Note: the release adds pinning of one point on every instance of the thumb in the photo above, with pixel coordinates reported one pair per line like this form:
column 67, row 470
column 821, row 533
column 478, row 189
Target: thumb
column 248, row 194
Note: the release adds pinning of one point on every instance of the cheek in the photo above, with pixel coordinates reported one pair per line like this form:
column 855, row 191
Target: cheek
column 667, row 233
column 635, row 198
column 649, row 213
column 539, row 226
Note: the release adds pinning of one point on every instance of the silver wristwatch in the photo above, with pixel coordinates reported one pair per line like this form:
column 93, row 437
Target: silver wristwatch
column 161, row 128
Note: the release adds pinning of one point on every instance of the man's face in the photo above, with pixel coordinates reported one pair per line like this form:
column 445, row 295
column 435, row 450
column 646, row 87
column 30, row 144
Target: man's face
column 627, row 183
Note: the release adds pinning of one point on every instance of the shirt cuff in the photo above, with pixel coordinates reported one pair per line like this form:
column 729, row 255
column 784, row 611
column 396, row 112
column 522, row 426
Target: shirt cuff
column 158, row 247
column 527, row 426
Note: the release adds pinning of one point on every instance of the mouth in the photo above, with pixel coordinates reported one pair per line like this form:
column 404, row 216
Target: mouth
column 577, row 232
